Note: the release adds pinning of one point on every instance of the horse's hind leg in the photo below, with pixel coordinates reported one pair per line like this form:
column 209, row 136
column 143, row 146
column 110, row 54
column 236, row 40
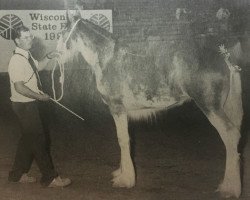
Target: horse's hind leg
column 230, row 134
column 125, row 175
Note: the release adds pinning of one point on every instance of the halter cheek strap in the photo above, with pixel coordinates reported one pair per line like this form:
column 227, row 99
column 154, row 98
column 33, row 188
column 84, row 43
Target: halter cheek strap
column 71, row 31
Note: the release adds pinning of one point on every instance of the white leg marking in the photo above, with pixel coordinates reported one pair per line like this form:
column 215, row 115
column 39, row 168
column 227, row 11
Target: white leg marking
column 231, row 184
column 125, row 175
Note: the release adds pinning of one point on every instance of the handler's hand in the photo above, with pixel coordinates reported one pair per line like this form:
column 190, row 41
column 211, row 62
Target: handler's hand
column 44, row 97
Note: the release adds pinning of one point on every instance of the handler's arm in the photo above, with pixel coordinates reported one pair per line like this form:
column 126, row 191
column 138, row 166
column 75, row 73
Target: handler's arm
column 25, row 91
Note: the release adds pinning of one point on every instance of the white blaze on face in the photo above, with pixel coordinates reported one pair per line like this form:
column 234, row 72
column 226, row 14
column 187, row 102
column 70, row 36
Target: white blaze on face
column 61, row 48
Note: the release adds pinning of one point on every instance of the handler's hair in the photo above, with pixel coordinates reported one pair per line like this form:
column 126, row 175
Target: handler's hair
column 18, row 30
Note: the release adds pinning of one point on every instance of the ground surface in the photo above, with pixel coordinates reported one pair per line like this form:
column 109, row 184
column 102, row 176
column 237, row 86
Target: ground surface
column 177, row 158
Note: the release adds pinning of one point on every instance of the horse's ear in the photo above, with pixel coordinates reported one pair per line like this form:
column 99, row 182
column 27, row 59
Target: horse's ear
column 78, row 13
column 69, row 16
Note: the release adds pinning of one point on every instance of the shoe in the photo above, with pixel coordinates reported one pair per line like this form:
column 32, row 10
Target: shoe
column 60, row 182
column 27, row 179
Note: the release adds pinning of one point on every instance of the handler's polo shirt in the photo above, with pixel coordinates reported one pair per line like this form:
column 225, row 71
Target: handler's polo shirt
column 20, row 70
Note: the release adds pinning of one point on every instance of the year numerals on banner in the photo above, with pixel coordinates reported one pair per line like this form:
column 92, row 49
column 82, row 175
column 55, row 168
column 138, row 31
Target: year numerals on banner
column 52, row 36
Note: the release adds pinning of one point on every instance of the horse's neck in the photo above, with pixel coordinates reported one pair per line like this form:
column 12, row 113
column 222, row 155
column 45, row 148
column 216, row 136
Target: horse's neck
column 106, row 53
column 96, row 56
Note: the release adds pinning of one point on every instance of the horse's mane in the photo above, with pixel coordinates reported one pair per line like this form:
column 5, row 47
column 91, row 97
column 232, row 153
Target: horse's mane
column 97, row 28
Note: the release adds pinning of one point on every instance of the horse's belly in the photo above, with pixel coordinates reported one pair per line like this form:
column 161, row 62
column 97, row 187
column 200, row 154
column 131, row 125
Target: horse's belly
column 140, row 102
column 141, row 112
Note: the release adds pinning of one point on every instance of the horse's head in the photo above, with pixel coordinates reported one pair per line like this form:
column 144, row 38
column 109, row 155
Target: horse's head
column 82, row 36
column 66, row 45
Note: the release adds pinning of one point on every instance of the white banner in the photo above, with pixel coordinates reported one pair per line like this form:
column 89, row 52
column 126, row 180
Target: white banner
column 45, row 25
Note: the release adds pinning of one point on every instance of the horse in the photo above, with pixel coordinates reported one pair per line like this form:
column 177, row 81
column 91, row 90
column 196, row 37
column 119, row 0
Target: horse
column 139, row 81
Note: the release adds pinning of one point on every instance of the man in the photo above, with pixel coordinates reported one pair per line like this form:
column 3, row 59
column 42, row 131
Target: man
column 25, row 94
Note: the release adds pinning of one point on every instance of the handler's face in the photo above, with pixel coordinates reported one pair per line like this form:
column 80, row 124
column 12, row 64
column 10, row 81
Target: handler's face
column 25, row 41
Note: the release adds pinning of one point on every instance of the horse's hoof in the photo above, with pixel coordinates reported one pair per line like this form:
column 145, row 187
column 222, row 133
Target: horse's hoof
column 123, row 181
column 226, row 191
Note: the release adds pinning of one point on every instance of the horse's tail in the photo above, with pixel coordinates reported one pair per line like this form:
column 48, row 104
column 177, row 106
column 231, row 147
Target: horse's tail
column 233, row 105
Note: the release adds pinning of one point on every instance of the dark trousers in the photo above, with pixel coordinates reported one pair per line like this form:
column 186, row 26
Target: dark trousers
column 33, row 144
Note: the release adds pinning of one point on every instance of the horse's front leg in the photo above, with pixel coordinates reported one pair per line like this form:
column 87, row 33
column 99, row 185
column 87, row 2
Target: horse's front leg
column 125, row 175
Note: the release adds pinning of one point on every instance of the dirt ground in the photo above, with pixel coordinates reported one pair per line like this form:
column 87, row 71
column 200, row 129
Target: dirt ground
column 179, row 157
